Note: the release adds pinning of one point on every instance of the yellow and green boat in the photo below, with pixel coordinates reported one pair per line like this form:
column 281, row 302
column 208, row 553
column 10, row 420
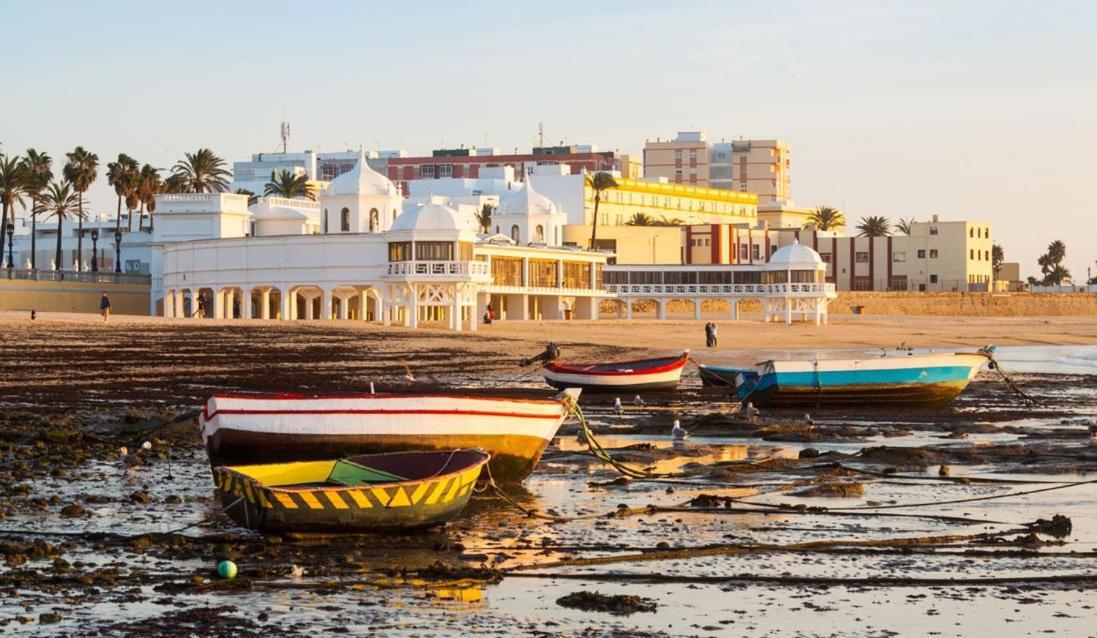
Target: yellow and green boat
column 368, row 493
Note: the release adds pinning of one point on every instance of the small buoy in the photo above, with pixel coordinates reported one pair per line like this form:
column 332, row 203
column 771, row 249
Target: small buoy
column 147, row 445
column 226, row 569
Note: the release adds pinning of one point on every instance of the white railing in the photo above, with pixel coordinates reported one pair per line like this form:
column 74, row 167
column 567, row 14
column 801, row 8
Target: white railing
column 292, row 203
column 433, row 269
column 731, row 290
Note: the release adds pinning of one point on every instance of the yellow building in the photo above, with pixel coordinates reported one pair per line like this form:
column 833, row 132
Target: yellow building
column 663, row 202
column 631, row 244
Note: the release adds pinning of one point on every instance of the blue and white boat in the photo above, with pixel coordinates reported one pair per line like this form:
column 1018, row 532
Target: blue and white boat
column 907, row 379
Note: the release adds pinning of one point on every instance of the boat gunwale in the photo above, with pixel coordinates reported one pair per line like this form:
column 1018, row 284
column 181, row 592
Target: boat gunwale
column 591, row 369
column 288, row 396
column 485, row 457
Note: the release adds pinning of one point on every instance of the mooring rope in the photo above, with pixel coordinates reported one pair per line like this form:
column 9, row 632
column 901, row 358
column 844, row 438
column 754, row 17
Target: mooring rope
column 1010, row 383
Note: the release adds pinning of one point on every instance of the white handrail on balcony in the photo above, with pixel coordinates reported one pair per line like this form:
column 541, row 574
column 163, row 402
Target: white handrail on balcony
column 439, row 269
column 814, row 289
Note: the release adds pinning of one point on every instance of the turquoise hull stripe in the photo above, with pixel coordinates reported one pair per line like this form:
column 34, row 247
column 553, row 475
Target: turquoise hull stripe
column 848, row 378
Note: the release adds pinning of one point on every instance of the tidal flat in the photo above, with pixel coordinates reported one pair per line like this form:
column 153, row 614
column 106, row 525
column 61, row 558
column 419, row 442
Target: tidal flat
column 862, row 522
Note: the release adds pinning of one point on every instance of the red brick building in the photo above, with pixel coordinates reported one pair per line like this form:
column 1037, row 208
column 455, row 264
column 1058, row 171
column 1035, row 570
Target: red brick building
column 466, row 163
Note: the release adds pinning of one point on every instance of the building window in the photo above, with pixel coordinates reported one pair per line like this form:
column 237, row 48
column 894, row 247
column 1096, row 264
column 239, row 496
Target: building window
column 861, row 258
column 862, row 283
column 933, row 279
column 426, row 171
column 539, row 235
column 434, row 251
column 742, row 251
column 374, row 220
column 825, row 257
column 344, row 220
column 400, row 251
column 445, row 170
column 932, row 230
column 971, row 233
column 921, row 253
column 755, row 253
column 971, row 254
column 514, row 232
column 898, row 257
column 693, row 154
column 678, row 155
column 933, row 253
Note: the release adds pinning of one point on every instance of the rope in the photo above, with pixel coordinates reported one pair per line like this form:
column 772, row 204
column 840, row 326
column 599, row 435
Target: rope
column 1010, row 383
column 532, row 513
column 597, row 451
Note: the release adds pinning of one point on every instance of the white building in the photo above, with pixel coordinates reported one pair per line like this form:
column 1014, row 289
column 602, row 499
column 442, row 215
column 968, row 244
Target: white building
column 254, row 175
column 362, row 252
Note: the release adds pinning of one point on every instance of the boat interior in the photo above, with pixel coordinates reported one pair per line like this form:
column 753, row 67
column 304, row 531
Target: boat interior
column 369, row 469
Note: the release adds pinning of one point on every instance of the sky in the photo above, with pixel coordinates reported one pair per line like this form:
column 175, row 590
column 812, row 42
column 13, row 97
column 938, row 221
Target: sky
column 979, row 110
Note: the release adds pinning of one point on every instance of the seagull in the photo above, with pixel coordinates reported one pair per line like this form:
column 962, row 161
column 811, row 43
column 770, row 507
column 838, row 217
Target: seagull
column 807, row 419
column 750, row 412
column 407, row 372
column 296, row 572
column 638, row 400
column 617, row 409
column 678, row 432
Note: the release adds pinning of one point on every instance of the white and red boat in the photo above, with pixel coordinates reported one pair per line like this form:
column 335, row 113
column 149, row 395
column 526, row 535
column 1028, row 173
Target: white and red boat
column 643, row 375
column 249, row 429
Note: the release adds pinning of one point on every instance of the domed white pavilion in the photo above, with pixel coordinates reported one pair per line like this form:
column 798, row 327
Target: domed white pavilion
column 528, row 217
column 360, row 201
column 796, row 279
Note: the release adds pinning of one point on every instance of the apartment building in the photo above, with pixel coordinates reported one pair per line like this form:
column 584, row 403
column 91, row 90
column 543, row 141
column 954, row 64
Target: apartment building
column 753, row 166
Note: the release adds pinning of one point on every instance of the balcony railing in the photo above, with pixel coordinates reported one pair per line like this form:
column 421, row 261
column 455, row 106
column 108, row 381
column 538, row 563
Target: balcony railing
column 100, row 277
column 731, row 290
column 442, row 269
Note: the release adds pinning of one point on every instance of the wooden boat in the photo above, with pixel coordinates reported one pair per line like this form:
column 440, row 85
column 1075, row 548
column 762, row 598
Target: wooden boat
column 374, row 492
column 719, row 376
column 247, row 429
column 644, row 375
column 911, row 379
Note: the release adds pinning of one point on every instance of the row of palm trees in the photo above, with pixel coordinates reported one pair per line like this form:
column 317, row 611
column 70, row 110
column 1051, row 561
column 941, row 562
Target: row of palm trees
column 828, row 218
column 136, row 185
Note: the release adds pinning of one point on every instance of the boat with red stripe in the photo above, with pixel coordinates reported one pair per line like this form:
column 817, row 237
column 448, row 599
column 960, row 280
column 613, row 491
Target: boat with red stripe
column 250, row 429
column 662, row 374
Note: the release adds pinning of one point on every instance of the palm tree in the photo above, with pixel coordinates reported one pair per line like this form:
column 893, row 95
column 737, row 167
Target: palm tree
column 122, row 175
column 12, row 188
column 598, row 182
column 1057, row 275
column 826, row 218
column 286, row 184
column 81, row 170
column 178, row 184
column 37, row 172
column 641, row 219
column 203, row 172
column 997, row 256
column 60, row 201
column 904, row 225
column 484, row 218
column 1057, row 252
column 148, row 186
column 874, row 226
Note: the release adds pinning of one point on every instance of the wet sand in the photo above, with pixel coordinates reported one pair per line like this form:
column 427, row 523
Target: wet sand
column 760, row 531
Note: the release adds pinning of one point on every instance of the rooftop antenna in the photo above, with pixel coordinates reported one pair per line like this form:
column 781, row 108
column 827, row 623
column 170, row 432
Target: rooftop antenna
column 540, row 134
column 285, row 136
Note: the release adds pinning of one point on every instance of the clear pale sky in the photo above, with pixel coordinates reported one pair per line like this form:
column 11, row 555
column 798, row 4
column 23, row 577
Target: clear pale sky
column 984, row 110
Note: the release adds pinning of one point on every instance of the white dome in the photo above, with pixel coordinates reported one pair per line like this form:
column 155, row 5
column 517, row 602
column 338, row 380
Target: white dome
column 428, row 217
column 526, row 202
column 360, row 180
column 795, row 255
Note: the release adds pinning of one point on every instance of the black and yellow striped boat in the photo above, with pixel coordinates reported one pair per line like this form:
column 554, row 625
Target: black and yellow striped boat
column 372, row 492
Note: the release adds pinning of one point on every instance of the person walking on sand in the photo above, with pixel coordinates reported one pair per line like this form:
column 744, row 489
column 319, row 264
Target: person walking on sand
column 104, row 307
column 715, row 340
column 709, row 336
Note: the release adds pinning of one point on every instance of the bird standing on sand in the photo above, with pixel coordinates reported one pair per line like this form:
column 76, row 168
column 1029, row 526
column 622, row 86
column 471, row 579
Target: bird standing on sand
column 678, row 432
column 637, row 400
column 407, row 372
column 808, row 420
column 617, row 408
column 750, row 412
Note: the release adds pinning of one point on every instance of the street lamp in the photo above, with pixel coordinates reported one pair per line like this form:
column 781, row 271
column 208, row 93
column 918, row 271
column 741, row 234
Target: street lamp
column 94, row 250
column 11, row 233
column 117, row 251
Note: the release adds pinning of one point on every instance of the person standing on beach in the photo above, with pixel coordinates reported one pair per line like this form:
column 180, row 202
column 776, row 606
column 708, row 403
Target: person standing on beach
column 708, row 334
column 104, row 307
column 715, row 340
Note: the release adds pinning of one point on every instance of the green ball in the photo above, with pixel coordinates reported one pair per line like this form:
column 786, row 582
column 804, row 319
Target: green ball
column 226, row 569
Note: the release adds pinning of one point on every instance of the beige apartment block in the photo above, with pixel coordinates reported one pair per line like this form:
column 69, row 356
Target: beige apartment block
column 683, row 160
column 750, row 166
column 632, row 167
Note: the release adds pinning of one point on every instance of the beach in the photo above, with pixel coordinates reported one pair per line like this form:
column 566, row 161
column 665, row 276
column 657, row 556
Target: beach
column 866, row 521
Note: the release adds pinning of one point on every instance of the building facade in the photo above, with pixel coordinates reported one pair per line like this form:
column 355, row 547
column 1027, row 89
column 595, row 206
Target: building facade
column 750, row 166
